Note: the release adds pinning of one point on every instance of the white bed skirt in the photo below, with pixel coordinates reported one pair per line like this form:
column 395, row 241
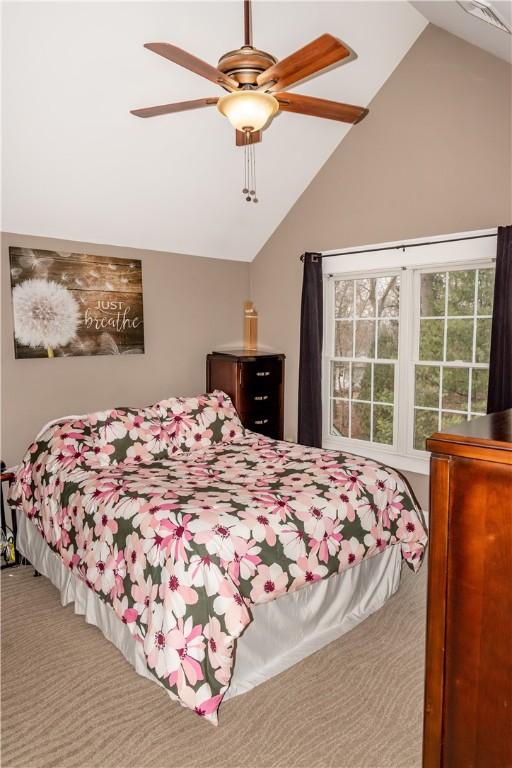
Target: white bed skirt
column 282, row 632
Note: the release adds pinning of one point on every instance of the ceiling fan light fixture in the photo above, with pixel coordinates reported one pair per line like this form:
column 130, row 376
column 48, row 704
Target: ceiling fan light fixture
column 248, row 110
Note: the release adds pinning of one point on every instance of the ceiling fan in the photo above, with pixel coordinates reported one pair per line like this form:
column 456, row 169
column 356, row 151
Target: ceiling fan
column 257, row 83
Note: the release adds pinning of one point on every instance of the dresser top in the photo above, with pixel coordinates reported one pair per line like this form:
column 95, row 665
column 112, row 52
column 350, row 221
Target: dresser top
column 247, row 354
column 491, row 431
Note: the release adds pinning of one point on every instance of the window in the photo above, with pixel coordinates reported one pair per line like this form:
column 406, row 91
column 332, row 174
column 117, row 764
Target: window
column 363, row 369
column 453, row 341
column 406, row 346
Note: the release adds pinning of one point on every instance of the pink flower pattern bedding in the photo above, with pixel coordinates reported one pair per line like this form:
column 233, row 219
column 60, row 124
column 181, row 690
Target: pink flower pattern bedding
column 182, row 521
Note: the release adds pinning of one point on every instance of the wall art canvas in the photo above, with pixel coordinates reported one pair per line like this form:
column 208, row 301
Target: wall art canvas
column 69, row 304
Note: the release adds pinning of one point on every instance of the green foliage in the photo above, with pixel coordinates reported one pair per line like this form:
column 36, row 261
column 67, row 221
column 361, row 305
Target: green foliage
column 479, row 385
column 425, row 424
column 483, row 340
column 383, row 424
column 427, row 386
column 432, row 294
column 455, row 388
column 431, row 339
column 459, row 340
column 461, row 292
column 383, row 383
column 485, row 291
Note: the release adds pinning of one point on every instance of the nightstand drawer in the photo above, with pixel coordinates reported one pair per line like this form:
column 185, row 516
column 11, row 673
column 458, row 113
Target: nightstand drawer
column 252, row 408
column 267, row 424
column 262, row 375
column 262, row 400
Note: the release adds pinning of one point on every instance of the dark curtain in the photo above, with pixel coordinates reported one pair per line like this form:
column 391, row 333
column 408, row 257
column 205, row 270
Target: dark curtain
column 499, row 396
column 310, row 364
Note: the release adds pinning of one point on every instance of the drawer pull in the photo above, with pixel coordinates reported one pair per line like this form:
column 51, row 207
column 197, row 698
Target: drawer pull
column 262, row 373
column 261, row 397
column 261, row 421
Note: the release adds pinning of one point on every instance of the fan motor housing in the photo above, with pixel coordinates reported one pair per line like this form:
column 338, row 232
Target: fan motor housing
column 245, row 64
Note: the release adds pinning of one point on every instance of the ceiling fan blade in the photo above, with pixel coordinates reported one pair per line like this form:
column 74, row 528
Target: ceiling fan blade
column 332, row 110
column 314, row 57
column 187, row 60
column 179, row 106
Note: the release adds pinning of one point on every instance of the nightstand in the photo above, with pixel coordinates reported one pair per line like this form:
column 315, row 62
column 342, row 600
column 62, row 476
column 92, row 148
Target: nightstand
column 255, row 383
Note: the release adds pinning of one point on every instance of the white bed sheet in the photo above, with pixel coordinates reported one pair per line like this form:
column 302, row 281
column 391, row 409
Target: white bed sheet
column 282, row 632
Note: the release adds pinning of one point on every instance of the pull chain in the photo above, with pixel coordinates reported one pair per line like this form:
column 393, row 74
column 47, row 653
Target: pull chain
column 249, row 188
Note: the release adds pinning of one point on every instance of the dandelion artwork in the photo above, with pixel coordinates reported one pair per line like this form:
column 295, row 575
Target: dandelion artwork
column 45, row 314
column 68, row 304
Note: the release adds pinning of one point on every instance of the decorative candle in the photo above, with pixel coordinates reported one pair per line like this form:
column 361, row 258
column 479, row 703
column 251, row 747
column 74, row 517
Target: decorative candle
column 250, row 326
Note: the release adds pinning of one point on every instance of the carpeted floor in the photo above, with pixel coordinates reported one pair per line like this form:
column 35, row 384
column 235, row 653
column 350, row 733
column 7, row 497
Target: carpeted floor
column 69, row 699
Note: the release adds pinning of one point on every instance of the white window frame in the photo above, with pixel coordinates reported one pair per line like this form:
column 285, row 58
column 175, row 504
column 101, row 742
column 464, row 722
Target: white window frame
column 329, row 353
column 436, row 256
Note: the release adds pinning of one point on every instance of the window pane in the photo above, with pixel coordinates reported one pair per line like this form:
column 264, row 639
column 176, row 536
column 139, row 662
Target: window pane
column 365, row 338
column 485, row 291
column 343, row 340
column 431, row 339
column 361, row 381
column 383, row 424
column 344, row 298
column 455, row 388
column 365, row 297
column 383, row 383
column 361, row 421
column 483, row 340
column 449, row 420
column 427, row 386
column 425, row 424
column 387, row 343
column 432, row 294
column 461, row 292
column 479, row 384
column 459, row 340
column 340, row 380
column 340, row 418
column 388, row 296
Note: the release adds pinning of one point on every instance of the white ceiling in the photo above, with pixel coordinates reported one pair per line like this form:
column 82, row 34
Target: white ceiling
column 77, row 165
column 450, row 16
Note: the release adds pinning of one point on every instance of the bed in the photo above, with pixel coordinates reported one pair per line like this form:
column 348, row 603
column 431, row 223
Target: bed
column 211, row 556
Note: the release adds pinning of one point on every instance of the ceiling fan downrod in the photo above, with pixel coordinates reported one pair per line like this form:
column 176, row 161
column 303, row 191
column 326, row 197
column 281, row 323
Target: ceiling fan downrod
column 247, row 24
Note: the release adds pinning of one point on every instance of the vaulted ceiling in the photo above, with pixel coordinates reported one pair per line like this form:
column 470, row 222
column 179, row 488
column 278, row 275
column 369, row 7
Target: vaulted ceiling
column 77, row 165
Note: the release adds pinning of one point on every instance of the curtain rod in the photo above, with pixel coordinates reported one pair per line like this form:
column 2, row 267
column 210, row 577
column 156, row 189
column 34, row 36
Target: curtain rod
column 398, row 247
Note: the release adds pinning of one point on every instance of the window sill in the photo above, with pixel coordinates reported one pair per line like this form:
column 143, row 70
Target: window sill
column 418, row 464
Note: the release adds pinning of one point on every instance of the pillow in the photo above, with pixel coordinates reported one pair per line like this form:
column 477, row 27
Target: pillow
column 141, row 435
column 132, row 435
column 199, row 422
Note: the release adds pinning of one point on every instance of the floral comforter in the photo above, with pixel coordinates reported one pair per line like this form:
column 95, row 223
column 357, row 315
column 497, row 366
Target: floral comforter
column 181, row 521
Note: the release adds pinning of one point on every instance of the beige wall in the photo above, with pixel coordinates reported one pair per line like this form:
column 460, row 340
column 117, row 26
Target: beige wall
column 191, row 306
column 432, row 157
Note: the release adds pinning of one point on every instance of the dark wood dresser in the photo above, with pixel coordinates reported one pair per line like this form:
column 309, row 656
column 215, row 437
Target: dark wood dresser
column 255, row 383
column 468, row 687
